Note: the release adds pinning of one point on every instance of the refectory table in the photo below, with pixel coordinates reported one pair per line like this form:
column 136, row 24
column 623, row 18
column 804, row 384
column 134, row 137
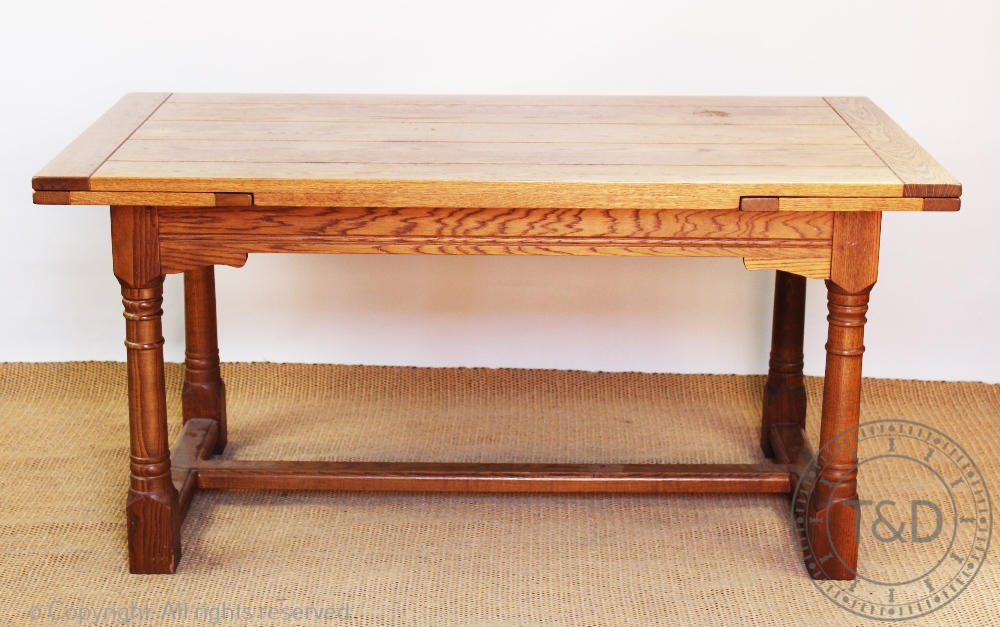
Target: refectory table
column 797, row 185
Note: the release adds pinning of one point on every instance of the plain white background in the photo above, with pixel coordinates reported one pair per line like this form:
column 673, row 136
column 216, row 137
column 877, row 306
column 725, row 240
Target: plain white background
column 935, row 67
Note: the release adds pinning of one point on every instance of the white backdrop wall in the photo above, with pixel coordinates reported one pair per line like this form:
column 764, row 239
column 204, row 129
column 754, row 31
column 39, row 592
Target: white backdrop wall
column 934, row 66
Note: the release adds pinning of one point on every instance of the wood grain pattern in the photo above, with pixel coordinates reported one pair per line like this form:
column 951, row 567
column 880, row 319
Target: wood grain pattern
column 51, row 198
column 831, row 511
column 197, row 441
column 507, row 152
column 807, row 259
column 773, row 203
column 784, row 400
column 218, row 176
column 759, row 203
column 416, row 222
column 814, row 266
column 403, row 111
column 525, row 151
column 190, row 237
column 518, row 185
column 501, row 99
column 134, row 244
column 495, row 477
column 204, row 393
column 153, row 199
column 851, row 204
column 182, row 256
column 152, row 510
column 72, row 168
column 529, row 195
column 624, row 133
column 922, row 176
column 854, row 258
column 229, row 199
column 942, row 204
column 791, row 447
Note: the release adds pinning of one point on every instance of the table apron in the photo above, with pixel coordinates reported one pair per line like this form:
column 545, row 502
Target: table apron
column 191, row 237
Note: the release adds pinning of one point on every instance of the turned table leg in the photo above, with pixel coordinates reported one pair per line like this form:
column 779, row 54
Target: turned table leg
column 784, row 393
column 834, row 503
column 204, row 394
column 152, row 510
column 833, row 506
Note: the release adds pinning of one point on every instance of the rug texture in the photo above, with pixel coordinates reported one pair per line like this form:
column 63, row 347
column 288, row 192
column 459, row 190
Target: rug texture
column 289, row 558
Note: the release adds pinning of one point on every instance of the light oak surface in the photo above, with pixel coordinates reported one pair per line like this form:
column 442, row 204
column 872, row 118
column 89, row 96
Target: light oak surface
column 494, row 153
column 71, row 170
column 921, row 174
column 828, row 135
column 497, row 99
column 659, row 152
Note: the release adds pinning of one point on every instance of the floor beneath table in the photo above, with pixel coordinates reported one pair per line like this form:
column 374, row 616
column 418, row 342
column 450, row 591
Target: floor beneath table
column 440, row 559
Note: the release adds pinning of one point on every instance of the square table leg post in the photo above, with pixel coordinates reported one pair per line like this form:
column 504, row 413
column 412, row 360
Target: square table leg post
column 152, row 509
column 204, row 394
column 833, row 507
column 784, row 392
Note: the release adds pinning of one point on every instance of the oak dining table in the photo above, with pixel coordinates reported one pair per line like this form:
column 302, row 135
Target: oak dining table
column 796, row 185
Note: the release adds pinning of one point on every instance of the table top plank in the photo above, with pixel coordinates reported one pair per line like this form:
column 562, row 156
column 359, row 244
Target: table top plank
column 502, row 99
column 71, row 169
column 921, row 174
column 520, row 182
column 187, row 175
column 496, row 114
column 457, row 152
column 506, row 151
column 229, row 130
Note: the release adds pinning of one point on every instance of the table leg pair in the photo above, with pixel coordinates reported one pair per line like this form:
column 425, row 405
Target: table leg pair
column 160, row 492
column 832, row 502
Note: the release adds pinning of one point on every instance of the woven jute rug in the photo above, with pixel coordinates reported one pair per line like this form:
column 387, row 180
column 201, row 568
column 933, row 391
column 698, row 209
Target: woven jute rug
column 427, row 559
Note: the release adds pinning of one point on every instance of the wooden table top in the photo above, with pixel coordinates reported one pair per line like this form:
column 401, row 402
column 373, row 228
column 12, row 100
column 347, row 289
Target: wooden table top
column 597, row 152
